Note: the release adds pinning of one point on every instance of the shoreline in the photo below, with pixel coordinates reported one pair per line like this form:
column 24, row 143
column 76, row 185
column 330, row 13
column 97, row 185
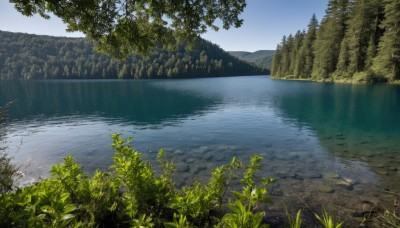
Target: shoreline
column 342, row 81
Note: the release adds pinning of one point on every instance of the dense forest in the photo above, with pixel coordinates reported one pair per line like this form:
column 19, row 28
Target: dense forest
column 24, row 56
column 356, row 41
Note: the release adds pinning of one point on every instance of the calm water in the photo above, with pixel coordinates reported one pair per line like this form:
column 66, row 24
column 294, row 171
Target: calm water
column 335, row 146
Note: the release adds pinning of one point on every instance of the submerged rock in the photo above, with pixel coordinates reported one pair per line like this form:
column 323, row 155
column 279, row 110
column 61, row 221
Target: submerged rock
column 382, row 172
column 178, row 152
column 344, row 184
column 220, row 158
column 183, row 168
column 326, row 188
column 209, row 157
column 189, row 160
column 313, row 175
column 331, row 175
column 199, row 167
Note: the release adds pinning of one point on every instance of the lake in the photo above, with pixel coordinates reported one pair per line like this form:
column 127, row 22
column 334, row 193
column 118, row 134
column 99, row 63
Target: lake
column 334, row 146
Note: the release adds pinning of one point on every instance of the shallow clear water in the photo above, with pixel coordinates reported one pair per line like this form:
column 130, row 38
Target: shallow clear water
column 329, row 145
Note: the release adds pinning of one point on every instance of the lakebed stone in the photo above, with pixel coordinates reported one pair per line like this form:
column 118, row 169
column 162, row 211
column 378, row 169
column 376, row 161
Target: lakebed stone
column 183, row 168
column 326, row 188
column 189, row 160
column 178, row 152
column 331, row 175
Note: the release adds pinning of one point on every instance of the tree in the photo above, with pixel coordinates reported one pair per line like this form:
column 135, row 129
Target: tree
column 276, row 61
column 298, row 41
column 329, row 38
column 361, row 26
column 387, row 60
column 120, row 27
column 305, row 58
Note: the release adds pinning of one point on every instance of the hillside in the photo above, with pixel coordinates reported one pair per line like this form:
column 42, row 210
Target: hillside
column 24, row 56
column 261, row 58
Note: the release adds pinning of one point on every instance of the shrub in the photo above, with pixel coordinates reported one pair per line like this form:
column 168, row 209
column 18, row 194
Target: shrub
column 132, row 194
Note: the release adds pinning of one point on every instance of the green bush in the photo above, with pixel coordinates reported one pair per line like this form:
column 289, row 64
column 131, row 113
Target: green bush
column 133, row 194
column 8, row 171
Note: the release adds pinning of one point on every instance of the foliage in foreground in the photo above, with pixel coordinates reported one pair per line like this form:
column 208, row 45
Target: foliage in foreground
column 8, row 171
column 119, row 27
column 132, row 194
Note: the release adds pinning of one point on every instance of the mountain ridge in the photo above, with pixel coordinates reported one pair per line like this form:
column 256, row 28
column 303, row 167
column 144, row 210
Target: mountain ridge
column 28, row 56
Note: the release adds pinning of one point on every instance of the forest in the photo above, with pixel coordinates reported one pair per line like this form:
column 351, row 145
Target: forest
column 357, row 41
column 24, row 56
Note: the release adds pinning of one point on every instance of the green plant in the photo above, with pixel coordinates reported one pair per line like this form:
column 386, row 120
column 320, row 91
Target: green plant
column 328, row 221
column 133, row 194
column 248, row 200
column 295, row 223
column 8, row 171
column 392, row 219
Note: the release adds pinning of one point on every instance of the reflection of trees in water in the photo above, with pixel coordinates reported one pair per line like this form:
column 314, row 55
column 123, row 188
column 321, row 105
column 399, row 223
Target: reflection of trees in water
column 355, row 122
column 137, row 101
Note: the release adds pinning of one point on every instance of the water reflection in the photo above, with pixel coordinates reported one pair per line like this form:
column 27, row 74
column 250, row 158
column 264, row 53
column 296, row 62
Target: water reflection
column 354, row 122
column 324, row 142
column 140, row 103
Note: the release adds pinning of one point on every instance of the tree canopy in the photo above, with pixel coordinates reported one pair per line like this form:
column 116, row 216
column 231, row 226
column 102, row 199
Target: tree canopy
column 120, row 27
column 357, row 41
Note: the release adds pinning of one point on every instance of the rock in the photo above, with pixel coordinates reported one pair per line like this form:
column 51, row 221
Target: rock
column 391, row 168
column 209, row 157
column 198, row 168
column 313, row 175
column 277, row 193
column 326, row 188
column 204, row 149
column 344, row 184
column 182, row 168
column 220, row 157
column 178, row 152
column 365, row 207
column 297, row 177
column 233, row 147
column 293, row 155
column 331, row 175
column 382, row 172
column 189, row 160
column 222, row 147
column 380, row 165
column 281, row 174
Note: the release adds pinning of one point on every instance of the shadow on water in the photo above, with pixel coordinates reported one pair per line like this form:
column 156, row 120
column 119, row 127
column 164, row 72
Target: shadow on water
column 140, row 103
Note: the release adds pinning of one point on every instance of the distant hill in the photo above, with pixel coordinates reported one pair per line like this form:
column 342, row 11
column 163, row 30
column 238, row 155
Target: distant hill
column 262, row 58
column 25, row 56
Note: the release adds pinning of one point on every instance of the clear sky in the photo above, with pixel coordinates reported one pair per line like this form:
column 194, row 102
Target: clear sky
column 265, row 22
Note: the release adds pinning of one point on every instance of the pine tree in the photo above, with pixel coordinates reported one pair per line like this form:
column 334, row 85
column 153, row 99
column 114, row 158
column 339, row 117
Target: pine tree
column 298, row 41
column 387, row 61
column 371, row 52
column 305, row 59
column 360, row 27
column 342, row 70
column 276, row 62
column 329, row 37
column 287, row 45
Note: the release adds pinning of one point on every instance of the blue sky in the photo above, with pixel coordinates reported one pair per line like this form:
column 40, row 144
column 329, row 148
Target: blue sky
column 265, row 22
